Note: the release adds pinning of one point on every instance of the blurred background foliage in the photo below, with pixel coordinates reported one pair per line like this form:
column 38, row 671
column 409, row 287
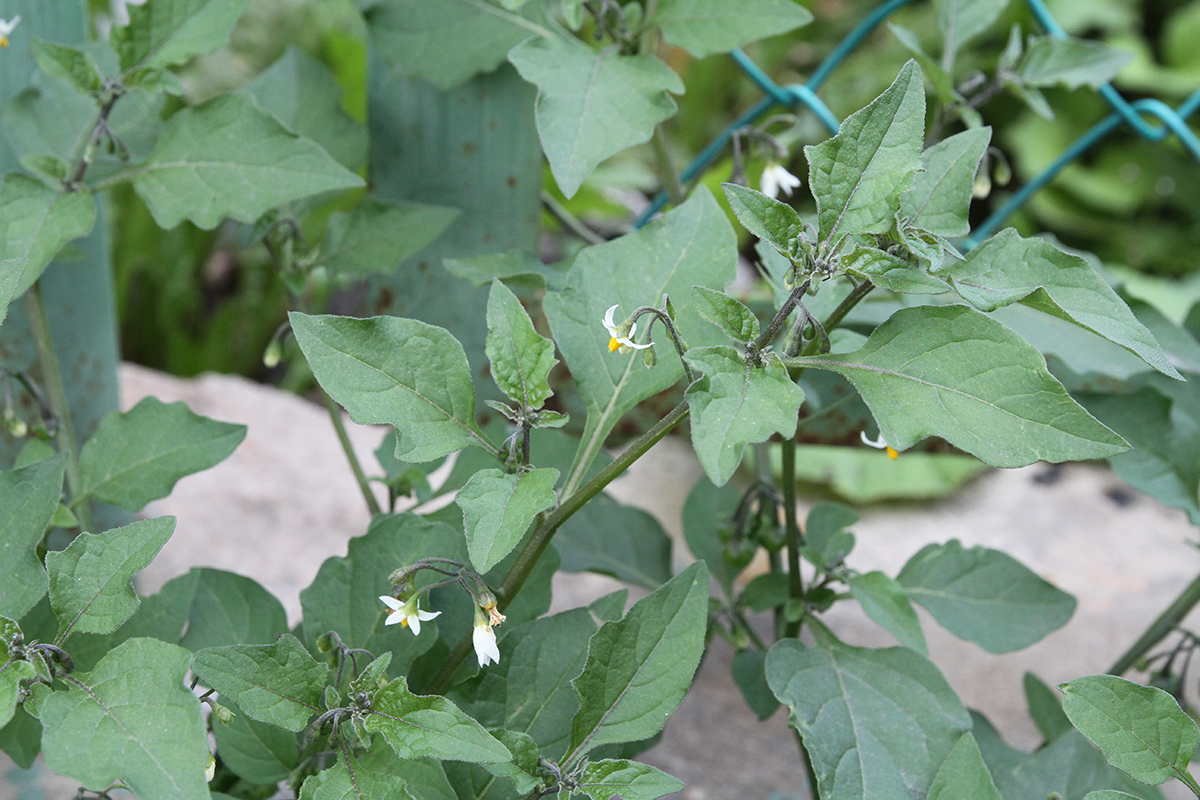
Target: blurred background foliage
column 192, row 300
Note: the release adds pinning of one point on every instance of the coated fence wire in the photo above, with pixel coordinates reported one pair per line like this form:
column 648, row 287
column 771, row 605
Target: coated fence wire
column 1163, row 121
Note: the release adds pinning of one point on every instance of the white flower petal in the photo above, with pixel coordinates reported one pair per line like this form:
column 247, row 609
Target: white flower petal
column 608, row 320
column 391, row 602
column 484, row 639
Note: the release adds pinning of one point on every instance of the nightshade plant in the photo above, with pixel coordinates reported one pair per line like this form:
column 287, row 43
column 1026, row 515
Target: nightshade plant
column 374, row 694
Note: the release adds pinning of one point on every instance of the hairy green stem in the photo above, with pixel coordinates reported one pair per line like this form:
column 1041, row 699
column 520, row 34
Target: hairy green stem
column 335, row 416
column 794, row 539
column 1164, row 624
column 56, row 396
column 537, row 543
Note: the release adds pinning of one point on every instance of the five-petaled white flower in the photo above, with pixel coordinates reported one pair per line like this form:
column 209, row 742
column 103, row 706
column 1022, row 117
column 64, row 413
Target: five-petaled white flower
column 6, row 27
column 879, row 444
column 406, row 613
column 485, row 643
column 776, row 178
column 619, row 338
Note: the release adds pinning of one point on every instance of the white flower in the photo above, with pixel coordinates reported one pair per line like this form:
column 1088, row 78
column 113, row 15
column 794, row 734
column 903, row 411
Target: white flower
column 879, row 444
column 406, row 613
column 485, row 643
column 6, row 27
column 775, row 178
column 211, row 770
column 620, row 339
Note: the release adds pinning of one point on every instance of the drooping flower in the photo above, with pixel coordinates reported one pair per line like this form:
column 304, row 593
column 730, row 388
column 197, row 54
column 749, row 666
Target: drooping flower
column 6, row 27
column 620, row 338
column 776, row 178
column 407, row 613
column 879, row 444
column 484, row 639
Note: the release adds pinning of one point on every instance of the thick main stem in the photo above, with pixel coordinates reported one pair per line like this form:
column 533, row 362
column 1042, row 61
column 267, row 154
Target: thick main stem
column 56, row 396
column 540, row 539
column 792, row 529
column 1164, row 624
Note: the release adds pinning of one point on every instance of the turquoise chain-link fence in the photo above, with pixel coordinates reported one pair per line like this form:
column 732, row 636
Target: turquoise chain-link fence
column 1151, row 119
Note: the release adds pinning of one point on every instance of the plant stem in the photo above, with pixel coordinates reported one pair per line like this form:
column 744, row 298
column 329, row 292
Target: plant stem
column 537, row 543
column 56, row 396
column 99, row 128
column 794, row 538
column 569, row 220
column 666, row 168
column 1161, row 626
column 335, row 416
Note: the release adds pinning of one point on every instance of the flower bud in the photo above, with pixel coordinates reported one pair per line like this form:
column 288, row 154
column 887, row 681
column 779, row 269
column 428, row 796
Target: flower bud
column 649, row 358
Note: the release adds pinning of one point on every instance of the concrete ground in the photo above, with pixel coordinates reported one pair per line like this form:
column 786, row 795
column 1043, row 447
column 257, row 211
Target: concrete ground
column 284, row 502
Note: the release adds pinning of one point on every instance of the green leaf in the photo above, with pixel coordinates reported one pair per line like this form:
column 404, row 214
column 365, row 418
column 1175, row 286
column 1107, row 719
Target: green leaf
column 748, row 672
column 1045, row 709
column 91, row 587
column 514, row 267
column 737, row 404
column 69, row 64
column 196, row 173
column 498, row 508
column 306, row 97
column 704, row 27
column 138, row 456
column 884, row 600
column 1070, row 766
column 1070, row 62
column 1108, row 794
column 130, row 720
column 617, row 540
column 692, row 244
column 521, row 358
column 523, row 771
column 28, row 498
column 377, row 235
column 12, row 671
column 707, row 510
column 961, row 20
column 221, row 608
column 417, row 726
column 529, row 691
column 774, row 222
column 449, row 41
column 344, row 597
column 892, row 272
column 1008, row 269
column 941, row 195
column 963, row 775
column 950, row 371
column 858, row 176
column 279, row 684
column 631, row 780
column 984, row 596
column 373, row 775
column 256, row 752
column 826, row 540
column 399, row 372
column 36, row 221
column 1141, row 730
column 876, row 723
column 163, row 34
column 11, row 270
column 639, row 667
column 202, row 608
column 733, row 318
column 593, row 104
column 1163, row 425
